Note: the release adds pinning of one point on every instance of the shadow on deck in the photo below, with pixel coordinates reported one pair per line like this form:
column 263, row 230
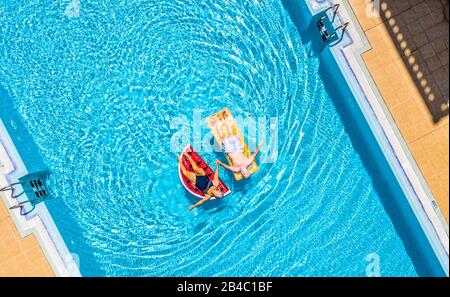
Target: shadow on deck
column 420, row 31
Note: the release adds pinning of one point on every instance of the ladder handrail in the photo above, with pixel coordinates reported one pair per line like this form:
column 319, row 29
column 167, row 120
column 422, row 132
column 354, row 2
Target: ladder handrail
column 343, row 27
column 335, row 9
column 40, row 191
column 326, row 36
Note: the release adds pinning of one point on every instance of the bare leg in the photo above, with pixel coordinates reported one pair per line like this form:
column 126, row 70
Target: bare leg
column 216, row 180
column 219, row 130
column 190, row 175
column 197, row 170
column 224, row 130
column 229, row 128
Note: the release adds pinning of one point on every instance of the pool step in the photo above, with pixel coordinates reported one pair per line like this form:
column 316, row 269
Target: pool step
column 34, row 187
column 326, row 26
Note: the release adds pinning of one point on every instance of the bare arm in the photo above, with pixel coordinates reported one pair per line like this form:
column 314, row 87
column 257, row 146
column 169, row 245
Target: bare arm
column 253, row 157
column 225, row 166
column 206, row 198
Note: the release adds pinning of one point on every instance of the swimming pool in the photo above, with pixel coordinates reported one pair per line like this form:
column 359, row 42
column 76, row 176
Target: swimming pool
column 98, row 90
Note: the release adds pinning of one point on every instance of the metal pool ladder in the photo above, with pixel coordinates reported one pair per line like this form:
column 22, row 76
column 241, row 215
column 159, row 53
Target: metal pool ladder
column 326, row 26
column 34, row 185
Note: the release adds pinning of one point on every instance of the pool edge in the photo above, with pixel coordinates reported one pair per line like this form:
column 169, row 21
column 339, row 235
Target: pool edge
column 40, row 222
column 348, row 57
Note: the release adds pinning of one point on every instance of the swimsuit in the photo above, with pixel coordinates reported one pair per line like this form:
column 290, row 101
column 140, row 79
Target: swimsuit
column 232, row 144
column 203, row 183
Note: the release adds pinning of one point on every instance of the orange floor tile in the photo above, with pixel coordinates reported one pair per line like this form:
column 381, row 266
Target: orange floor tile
column 19, row 256
column 410, row 80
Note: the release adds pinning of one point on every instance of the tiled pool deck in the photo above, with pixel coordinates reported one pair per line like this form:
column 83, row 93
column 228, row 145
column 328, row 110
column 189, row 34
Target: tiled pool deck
column 411, row 73
column 409, row 64
column 19, row 256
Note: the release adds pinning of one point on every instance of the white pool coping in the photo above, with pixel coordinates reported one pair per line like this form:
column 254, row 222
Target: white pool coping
column 39, row 222
column 348, row 56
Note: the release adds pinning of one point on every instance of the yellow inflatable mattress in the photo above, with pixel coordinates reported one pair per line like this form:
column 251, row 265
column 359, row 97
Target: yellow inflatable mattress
column 215, row 122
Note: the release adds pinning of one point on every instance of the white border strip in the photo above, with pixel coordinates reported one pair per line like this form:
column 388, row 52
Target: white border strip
column 348, row 57
column 40, row 223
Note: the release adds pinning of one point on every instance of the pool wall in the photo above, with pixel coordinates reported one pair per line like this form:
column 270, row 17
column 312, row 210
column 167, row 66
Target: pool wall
column 417, row 209
column 21, row 155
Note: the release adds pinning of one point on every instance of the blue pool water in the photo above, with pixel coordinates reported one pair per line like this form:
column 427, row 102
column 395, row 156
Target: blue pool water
column 98, row 89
